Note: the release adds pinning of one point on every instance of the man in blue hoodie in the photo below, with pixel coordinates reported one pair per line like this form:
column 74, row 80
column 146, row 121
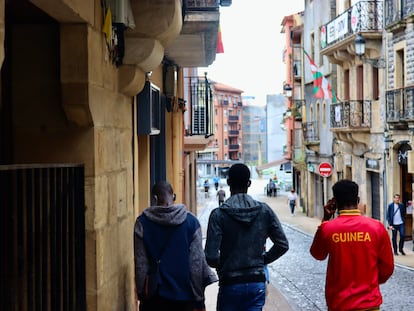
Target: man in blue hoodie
column 236, row 238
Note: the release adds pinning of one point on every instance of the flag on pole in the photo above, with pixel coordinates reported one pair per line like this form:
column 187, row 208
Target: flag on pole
column 220, row 48
column 321, row 86
column 107, row 26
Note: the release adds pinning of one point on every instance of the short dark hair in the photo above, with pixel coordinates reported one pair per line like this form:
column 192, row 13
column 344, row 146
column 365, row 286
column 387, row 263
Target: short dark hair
column 162, row 188
column 239, row 175
column 345, row 193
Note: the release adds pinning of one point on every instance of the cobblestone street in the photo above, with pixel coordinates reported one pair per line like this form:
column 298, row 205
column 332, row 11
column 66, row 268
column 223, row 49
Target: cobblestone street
column 298, row 280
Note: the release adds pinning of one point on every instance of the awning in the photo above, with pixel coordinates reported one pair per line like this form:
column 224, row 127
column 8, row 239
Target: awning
column 271, row 164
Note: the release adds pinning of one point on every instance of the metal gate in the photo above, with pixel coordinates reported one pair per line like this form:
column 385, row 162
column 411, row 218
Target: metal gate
column 42, row 242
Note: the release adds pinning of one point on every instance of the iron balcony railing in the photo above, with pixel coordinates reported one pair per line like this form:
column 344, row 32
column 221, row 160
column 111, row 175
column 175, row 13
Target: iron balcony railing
column 234, row 147
column 201, row 5
column 42, row 241
column 233, row 118
column 396, row 11
column 362, row 16
column 201, row 106
column 311, row 132
column 353, row 114
column 233, row 132
column 400, row 105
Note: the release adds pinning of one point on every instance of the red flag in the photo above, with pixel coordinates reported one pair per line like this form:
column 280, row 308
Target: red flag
column 321, row 86
column 219, row 48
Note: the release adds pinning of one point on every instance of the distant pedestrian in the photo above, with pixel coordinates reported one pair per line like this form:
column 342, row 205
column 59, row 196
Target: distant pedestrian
column 221, row 195
column 216, row 181
column 206, row 188
column 236, row 234
column 292, row 198
column 396, row 222
column 271, row 188
column 359, row 250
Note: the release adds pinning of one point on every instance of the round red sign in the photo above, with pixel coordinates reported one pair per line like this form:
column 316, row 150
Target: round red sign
column 325, row 169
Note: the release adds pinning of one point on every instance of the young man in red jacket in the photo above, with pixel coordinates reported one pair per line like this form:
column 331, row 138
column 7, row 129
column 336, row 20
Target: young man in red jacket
column 359, row 249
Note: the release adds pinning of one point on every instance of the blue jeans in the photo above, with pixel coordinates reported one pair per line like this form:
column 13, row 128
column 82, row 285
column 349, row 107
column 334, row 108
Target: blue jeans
column 401, row 230
column 241, row 297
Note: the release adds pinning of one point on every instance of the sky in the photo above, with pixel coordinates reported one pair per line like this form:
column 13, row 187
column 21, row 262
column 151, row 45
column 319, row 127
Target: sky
column 253, row 46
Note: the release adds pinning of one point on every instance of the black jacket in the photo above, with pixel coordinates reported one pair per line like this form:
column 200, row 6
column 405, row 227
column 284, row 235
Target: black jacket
column 390, row 213
column 236, row 238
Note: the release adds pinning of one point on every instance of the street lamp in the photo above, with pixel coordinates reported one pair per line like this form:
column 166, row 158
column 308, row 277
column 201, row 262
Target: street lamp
column 360, row 51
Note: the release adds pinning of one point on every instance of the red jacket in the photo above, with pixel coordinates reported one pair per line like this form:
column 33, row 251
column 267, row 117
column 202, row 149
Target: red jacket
column 360, row 258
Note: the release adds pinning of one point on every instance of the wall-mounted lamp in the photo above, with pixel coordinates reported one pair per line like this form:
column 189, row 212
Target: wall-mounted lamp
column 387, row 141
column 288, row 90
column 360, row 51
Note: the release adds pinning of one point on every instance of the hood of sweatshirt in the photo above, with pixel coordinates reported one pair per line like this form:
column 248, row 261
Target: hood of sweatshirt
column 242, row 208
column 172, row 215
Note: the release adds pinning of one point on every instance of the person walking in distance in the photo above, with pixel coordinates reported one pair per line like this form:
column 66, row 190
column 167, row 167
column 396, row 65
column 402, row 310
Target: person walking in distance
column 292, row 198
column 168, row 236
column 206, row 188
column 396, row 222
column 359, row 250
column 221, row 195
column 216, row 181
column 236, row 234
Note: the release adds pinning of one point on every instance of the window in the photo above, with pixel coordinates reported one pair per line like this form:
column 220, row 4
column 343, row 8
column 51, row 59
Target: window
column 225, row 142
column 375, row 83
column 225, row 112
column 360, row 83
column 225, row 127
column 346, row 84
column 324, row 113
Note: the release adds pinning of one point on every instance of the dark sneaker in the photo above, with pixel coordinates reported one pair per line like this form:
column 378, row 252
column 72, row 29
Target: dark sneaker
column 402, row 252
column 395, row 253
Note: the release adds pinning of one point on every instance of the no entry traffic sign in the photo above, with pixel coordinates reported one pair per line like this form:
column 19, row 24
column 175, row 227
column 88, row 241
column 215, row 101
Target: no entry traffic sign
column 325, row 169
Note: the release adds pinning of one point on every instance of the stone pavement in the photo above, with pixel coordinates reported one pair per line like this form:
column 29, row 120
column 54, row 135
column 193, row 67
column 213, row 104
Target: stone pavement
column 275, row 301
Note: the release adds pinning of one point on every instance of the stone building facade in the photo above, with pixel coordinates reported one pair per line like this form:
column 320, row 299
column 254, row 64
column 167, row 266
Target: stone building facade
column 82, row 89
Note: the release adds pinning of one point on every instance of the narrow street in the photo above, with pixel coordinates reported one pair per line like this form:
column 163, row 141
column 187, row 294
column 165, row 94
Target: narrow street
column 297, row 275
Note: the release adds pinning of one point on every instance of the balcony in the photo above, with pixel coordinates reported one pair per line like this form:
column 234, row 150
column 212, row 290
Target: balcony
column 311, row 135
column 233, row 133
column 400, row 106
column 396, row 13
column 311, row 132
column 234, row 147
column 197, row 42
column 337, row 36
column 200, row 110
column 233, row 119
column 354, row 115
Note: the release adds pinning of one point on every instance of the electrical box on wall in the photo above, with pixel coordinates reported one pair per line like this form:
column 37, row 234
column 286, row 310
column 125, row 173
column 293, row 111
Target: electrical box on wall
column 148, row 110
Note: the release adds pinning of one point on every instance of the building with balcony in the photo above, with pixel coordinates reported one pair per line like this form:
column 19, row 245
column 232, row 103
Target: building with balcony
column 226, row 147
column 356, row 119
column 292, row 28
column 399, row 102
column 91, row 116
